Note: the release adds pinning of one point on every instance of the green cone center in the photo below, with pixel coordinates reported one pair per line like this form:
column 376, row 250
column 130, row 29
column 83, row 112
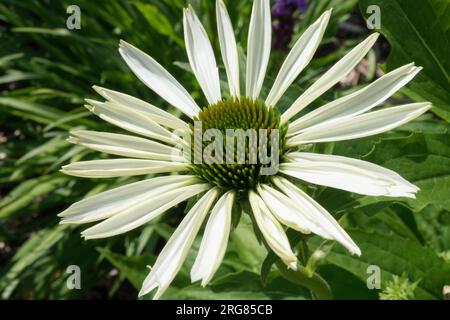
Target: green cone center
column 249, row 131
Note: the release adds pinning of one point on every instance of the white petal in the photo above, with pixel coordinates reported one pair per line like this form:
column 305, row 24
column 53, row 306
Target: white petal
column 284, row 210
column 397, row 186
column 214, row 241
column 331, row 77
column 158, row 79
column 131, row 121
column 144, row 211
column 338, row 176
column 298, row 58
column 120, row 167
column 175, row 251
column 201, row 56
column 272, row 231
column 129, row 102
column 310, row 208
column 364, row 125
column 111, row 202
column 258, row 47
column 350, row 175
column 359, row 102
column 125, row 145
column 228, row 48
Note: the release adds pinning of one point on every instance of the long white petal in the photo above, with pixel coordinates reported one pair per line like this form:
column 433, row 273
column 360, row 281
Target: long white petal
column 298, row 58
column 142, row 212
column 284, row 210
column 309, row 207
column 120, row 167
column 350, row 175
column 125, row 145
column 272, row 231
column 331, row 77
column 364, row 125
column 129, row 102
column 201, row 56
column 175, row 251
column 158, row 79
column 214, row 241
column 358, row 102
column 396, row 185
column 131, row 121
column 228, row 48
column 338, row 176
column 111, row 202
column 258, row 47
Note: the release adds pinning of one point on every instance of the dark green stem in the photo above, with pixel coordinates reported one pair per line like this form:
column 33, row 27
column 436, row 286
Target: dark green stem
column 316, row 284
column 303, row 251
column 318, row 287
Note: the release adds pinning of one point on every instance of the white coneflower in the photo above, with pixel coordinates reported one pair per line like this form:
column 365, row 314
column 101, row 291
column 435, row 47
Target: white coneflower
column 275, row 201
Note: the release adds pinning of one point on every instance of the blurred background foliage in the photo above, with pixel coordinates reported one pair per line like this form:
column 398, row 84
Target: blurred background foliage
column 46, row 71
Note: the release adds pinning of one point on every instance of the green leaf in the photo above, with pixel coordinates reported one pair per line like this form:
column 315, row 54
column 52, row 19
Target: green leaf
column 48, row 147
column 435, row 228
column 24, row 194
column 419, row 31
column 241, row 285
column 395, row 256
column 29, row 110
column 271, row 258
column 15, row 76
column 423, row 160
column 341, row 12
column 5, row 61
column 345, row 285
column 420, row 157
column 249, row 250
column 133, row 268
column 30, row 252
column 157, row 20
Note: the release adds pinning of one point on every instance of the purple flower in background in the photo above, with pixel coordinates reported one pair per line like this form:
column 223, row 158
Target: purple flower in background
column 287, row 7
column 283, row 12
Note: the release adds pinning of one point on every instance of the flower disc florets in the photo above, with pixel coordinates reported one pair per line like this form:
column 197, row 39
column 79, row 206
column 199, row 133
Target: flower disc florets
column 236, row 142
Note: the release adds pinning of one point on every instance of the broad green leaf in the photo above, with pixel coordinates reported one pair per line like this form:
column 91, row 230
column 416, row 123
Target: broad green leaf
column 395, row 256
column 419, row 32
column 249, row 250
column 423, row 160
column 133, row 268
column 345, row 285
column 243, row 285
column 434, row 225
column 420, row 157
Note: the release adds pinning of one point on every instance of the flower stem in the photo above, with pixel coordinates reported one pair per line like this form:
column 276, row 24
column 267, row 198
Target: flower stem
column 319, row 288
column 316, row 284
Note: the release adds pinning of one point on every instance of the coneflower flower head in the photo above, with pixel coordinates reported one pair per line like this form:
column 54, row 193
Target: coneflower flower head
column 192, row 157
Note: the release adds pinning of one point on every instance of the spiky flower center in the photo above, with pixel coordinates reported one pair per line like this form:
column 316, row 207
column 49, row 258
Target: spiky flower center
column 240, row 139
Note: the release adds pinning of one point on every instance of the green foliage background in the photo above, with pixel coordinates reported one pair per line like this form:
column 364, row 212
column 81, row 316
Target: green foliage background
column 46, row 71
